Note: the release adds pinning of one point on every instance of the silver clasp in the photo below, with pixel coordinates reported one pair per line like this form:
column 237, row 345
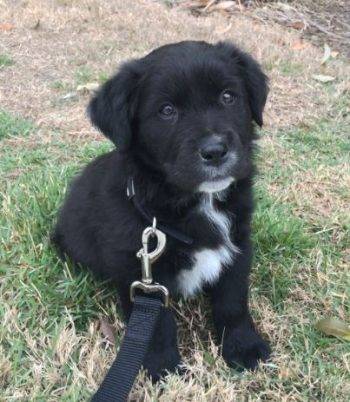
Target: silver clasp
column 147, row 259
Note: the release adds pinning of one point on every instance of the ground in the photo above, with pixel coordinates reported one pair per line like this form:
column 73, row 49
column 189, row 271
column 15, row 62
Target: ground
column 53, row 345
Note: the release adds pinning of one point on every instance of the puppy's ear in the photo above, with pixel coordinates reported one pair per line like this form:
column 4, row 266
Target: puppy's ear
column 113, row 107
column 256, row 81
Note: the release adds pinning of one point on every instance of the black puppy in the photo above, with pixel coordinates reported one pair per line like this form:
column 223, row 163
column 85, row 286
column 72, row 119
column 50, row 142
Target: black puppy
column 182, row 122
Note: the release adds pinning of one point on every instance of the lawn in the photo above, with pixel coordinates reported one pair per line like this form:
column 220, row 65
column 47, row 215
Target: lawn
column 52, row 347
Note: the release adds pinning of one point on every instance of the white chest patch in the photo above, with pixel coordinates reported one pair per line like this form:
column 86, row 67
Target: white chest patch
column 208, row 263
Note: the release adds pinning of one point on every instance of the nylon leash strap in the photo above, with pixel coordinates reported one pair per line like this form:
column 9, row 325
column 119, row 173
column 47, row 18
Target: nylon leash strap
column 121, row 376
column 140, row 329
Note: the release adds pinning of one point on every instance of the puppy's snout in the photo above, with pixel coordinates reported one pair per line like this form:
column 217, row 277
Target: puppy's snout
column 213, row 151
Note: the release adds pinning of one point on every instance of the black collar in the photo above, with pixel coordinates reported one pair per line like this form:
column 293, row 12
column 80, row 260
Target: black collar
column 130, row 191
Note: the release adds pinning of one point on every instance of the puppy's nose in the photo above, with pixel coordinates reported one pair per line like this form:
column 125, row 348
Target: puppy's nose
column 213, row 151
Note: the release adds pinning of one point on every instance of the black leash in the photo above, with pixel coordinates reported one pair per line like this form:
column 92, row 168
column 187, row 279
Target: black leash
column 176, row 234
column 121, row 376
column 143, row 320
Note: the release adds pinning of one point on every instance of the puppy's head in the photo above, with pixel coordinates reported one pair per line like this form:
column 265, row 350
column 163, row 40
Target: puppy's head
column 186, row 110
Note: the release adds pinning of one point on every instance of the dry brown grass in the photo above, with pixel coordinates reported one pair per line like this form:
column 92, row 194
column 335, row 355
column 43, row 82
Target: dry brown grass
column 320, row 21
column 51, row 40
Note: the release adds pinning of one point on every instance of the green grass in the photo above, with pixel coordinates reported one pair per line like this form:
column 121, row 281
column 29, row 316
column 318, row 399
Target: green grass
column 13, row 126
column 290, row 68
column 61, row 85
column 41, row 289
column 84, row 75
column 49, row 311
column 5, row 61
column 285, row 67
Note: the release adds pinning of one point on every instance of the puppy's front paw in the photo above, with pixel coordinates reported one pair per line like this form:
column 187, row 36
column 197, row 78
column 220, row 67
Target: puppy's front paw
column 244, row 347
column 159, row 363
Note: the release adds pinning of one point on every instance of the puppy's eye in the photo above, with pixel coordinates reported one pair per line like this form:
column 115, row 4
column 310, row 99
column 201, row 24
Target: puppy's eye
column 167, row 111
column 228, row 97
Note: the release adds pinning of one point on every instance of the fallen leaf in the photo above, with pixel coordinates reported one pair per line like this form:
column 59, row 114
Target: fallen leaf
column 334, row 327
column 108, row 331
column 299, row 45
column 297, row 25
column 323, row 78
column 6, row 26
column 327, row 54
column 87, row 88
column 223, row 5
column 69, row 96
column 222, row 31
column 334, row 53
column 36, row 25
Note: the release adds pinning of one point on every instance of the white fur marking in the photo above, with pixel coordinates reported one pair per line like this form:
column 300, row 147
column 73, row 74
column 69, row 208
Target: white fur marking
column 208, row 263
column 215, row 186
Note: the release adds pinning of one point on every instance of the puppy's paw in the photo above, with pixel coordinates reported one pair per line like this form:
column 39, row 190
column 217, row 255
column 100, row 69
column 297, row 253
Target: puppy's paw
column 243, row 348
column 160, row 363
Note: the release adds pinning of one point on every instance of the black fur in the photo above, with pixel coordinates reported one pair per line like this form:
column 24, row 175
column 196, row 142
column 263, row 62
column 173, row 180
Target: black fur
column 99, row 227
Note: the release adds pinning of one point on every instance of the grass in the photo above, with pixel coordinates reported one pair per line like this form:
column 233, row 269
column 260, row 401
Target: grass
column 47, row 296
column 5, row 61
column 13, row 126
column 288, row 68
column 51, row 346
column 61, row 85
column 84, row 75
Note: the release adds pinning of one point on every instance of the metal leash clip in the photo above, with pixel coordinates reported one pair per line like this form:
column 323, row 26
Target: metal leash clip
column 147, row 259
